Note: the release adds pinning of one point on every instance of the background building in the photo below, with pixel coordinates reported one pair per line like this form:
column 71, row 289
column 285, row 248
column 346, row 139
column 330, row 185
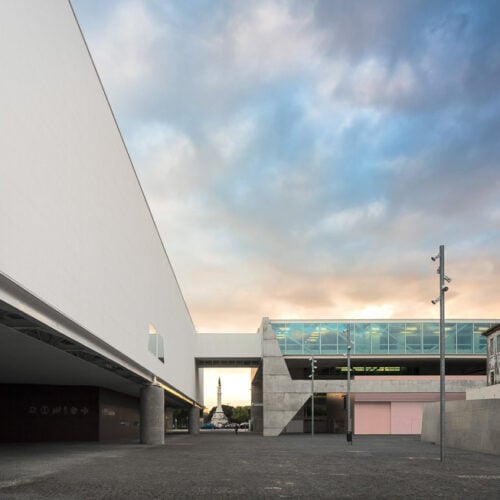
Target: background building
column 395, row 370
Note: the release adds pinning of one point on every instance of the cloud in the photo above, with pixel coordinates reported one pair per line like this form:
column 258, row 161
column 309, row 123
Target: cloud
column 268, row 39
column 306, row 158
column 347, row 219
column 123, row 45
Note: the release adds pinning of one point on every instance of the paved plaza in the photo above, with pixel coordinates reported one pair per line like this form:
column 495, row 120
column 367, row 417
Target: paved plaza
column 220, row 464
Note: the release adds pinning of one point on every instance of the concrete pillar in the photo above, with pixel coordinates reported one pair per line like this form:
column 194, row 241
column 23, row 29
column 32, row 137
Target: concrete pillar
column 152, row 415
column 282, row 397
column 194, row 420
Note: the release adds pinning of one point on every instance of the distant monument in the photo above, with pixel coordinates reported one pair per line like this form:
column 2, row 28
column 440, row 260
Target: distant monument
column 218, row 418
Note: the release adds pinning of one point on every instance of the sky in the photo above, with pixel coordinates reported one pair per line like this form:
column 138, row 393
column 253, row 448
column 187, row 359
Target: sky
column 304, row 159
column 235, row 386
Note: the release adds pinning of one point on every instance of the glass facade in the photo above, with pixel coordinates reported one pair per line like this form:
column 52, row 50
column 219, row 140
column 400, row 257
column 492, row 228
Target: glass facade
column 379, row 337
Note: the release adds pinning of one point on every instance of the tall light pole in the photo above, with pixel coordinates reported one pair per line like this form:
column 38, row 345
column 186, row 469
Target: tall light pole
column 349, row 427
column 313, row 369
column 442, row 348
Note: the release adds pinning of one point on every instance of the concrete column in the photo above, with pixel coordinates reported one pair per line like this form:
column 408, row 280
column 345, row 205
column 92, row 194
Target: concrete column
column 194, row 420
column 152, row 415
column 282, row 396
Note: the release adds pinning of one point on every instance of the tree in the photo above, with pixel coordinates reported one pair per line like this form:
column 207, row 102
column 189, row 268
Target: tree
column 241, row 414
column 238, row 414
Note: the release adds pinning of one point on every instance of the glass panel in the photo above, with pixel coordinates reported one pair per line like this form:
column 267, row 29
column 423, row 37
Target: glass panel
column 413, row 334
column 362, row 342
column 342, row 338
column 294, row 339
column 280, row 330
column 161, row 349
column 152, row 343
column 430, row 333
column 450, row 338
column 479, row 339
column 328, row 338
column 311, row 338
column 379, row 338
column 396, row 338
column 464, row 338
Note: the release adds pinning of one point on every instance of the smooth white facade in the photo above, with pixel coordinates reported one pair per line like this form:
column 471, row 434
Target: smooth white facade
column 228, row 345
column 77, row 232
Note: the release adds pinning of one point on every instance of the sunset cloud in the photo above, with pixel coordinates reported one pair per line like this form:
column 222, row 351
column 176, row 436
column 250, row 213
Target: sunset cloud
column 305, row 159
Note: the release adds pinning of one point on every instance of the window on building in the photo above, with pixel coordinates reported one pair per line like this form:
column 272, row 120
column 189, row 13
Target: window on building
column 155, row 343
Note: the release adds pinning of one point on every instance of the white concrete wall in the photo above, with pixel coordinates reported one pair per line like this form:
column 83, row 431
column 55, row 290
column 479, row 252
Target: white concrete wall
column 76, row 229
column 228, row 345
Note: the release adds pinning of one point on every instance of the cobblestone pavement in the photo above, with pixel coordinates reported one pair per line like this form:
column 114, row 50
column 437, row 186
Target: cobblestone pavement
column 218, row 464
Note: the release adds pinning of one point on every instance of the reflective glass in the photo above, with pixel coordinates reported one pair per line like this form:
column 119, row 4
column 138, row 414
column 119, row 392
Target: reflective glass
column 479, row 339
column 328, row 338
column 396, row 338
column 430, row 333
column 294, row 339
column 464, row 338
column 311, row 338
column 362, row 342
column 152, row 343
column 342, row 337
column 161, row 349
column 280, row 330
column 379, row 336
column 450, row 338
column 413, row 337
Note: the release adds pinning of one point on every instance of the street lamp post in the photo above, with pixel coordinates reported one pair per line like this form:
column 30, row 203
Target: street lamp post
column 442, row 350
column 313, row 369
column 349, row 428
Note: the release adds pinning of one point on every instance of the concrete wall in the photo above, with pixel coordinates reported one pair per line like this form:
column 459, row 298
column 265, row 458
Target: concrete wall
column 485, row 392
column 470, row 425
column 228, row 345
column 282, row 396
column 76, row 229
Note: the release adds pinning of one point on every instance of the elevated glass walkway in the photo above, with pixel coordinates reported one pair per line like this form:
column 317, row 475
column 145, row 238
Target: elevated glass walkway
column 380, row 337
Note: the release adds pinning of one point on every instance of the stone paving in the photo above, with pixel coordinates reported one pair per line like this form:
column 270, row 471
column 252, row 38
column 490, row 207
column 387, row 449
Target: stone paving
column 220, row 464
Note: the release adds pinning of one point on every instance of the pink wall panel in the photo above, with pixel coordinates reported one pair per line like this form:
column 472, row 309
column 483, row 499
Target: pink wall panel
column 419, row 377
column 372, row 418
column 406, row 418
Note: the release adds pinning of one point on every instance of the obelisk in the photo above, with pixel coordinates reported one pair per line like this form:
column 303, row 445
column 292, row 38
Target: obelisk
column 218, row 418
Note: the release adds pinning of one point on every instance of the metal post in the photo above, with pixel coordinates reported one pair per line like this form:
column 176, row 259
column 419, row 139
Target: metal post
column 349, row 428
column 442, row 368
column 312, row 396
column 313, row 369
column 442, row 347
